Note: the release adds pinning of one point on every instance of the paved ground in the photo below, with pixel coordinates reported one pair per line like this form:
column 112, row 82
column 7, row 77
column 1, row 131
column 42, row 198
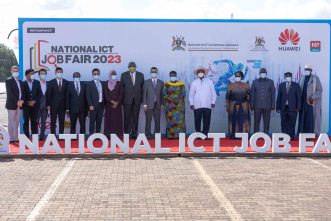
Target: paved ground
column 166, row 189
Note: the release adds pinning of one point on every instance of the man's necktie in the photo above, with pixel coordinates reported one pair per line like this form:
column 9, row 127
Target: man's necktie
column 77, row 89
column 60, row 86
column 287, row 87
column 154, row 85
column 132, row 78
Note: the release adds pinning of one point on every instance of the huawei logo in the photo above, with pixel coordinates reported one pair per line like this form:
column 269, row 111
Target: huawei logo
column 289, row 35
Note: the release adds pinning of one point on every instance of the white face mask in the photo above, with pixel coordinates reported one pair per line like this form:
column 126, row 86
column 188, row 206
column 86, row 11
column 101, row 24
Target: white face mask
column 237, row 79
column 173, row 79
column 76, row 80
column 43, row 76
column 288, row 79
column 153, row 75
column 263, row 75
column 113, row 77
column 307, row 72
column 96, row 77
column 58, row 75
column 15, row 74
column 201, row 74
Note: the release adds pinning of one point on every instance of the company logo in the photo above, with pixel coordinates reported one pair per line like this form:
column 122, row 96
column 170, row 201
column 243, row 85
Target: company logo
column 45, row 55
column 289, row 39
column 178, row 43
column 289, row 35
column 259, row 44
column 315, row 46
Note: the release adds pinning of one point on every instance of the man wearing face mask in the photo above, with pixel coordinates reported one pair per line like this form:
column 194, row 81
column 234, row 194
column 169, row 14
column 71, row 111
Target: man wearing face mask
column 262, row 100
column 42, row 112
column 15, row 99
column 152, row 102
column 76, row 103
column 202, row 100
column 95, row 102
column 132, row 85
column 56, row 100
column 288, row 104
column 310, row 115
column 33, row 95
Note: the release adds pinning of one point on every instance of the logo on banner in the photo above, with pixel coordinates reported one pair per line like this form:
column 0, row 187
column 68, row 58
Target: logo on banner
column 178, row 43
column 45, row 55
column 289, row 40
column 4, row 140
column 259, row 44
column 315, row 46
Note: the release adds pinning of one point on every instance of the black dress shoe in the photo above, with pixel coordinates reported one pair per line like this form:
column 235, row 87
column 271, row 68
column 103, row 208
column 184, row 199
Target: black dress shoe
column 133, row 136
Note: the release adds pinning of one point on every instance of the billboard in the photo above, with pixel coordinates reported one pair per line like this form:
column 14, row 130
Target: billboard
column 221, row 46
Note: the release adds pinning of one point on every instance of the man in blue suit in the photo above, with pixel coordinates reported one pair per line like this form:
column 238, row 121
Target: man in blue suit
column 288, row 104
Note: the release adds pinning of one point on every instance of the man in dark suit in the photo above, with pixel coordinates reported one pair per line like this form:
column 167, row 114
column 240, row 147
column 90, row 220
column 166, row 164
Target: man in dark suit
column 152, row 102
column 132, row 83
column 94, row 97
column 56, row 100
column 76, row 103
column 33, row 95
column 14, row 102
column 42, row 112
column 288, row 104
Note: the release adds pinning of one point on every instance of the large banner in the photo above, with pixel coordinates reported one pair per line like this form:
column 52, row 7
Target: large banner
column 181, row 45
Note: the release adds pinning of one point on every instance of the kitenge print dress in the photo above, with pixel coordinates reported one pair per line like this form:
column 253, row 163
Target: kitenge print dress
column 174, row 107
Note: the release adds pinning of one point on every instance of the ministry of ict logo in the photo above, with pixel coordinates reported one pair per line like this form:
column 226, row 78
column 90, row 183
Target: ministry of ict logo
column 289, row 40
column 178, row 43
column 259, row 44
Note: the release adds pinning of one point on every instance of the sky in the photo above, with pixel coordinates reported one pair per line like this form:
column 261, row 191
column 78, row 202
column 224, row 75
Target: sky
column 11, row 10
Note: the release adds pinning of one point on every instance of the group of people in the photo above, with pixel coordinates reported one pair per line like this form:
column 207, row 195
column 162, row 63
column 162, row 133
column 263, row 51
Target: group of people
column 124, row 95
column 303, row 98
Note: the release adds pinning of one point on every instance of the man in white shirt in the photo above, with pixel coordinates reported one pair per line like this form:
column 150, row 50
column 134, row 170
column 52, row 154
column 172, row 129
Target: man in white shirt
column 42, row 113
column 152, row 102
column 202, row 99
column 94, row 97
column 56, row 100
column 33, row 95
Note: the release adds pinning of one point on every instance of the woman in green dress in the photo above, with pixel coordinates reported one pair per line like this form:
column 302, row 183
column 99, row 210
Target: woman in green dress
column 174, row 93
column 237, row 106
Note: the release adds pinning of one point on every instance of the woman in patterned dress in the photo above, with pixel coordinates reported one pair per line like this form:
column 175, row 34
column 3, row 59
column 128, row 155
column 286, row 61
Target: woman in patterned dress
column 174, row 93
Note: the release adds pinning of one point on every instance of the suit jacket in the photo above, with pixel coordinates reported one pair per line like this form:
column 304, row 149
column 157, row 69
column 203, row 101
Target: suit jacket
column 13, row 93
column 262, row 93
column 132, row 93
column 149, row 91
column 293, row 97
column 55, row 98
column 76, row 103
column 34, row 94
column 42, row 102
column 92, row 93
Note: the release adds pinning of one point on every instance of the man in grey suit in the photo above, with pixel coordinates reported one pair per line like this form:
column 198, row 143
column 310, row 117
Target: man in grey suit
column 262, row 100
column 152, row 102
column 132, row 83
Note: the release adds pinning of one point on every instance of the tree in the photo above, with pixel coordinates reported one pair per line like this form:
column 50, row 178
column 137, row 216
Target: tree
column 7, row 60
